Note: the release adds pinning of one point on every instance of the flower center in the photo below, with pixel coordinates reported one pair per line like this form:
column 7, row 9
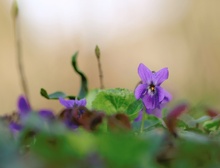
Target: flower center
column 151, row 89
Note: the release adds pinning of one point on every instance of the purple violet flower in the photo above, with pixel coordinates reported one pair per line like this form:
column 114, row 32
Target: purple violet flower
column 24, row 109
column 69, row 117
column 15, row 127
column 150, row 92
column 23, row 106
column 72, row 103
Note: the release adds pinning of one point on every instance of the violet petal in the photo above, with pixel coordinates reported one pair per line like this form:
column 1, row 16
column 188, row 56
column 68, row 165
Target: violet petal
column 161, row 76
column 167, row 96
column 145, row 74
column 81, row 102
column 157, row 112
column 151, row 102
column 14, row 127
column 23, row 105
column 139, row 90
column 67, row 103
column 47, row 114
column 161, row 93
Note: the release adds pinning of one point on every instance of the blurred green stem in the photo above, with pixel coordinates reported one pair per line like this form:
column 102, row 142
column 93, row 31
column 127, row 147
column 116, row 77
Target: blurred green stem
column 142, row 121
column 15, row 11
column 97, row 52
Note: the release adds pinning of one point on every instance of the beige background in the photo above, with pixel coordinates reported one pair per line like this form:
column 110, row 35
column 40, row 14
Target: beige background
column 181, row 35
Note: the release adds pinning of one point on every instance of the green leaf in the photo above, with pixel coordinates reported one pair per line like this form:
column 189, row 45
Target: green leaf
column 181, row 124
column 188, row 119
column 134, row 108
column 212, row 125
column 54, row 95
column 195, row 150
column 90, row 97
column 194, row 137
column 203, row 119
column 84, row 84
column 113, row 100
column 150, row 123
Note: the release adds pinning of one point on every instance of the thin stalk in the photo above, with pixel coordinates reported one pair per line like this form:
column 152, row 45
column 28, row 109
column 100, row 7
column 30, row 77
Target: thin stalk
column 142, row 121
column 19, row 49
column 97, row 52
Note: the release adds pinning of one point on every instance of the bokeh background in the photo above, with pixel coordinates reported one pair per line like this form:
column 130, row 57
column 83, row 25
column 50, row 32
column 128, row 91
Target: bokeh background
column 181, row 35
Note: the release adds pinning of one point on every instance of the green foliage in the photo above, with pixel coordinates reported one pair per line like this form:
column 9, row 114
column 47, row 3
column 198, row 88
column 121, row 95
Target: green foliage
column 84, row 84
column 125, row 150
column 116, row 100
column 90, row 97
column 134, row 108
column 212, row 125
column 150, row 123
column 196, row 150
column 51, row 144
column 54, row 95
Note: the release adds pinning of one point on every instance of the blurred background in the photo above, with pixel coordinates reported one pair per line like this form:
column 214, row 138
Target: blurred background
column 181, row 35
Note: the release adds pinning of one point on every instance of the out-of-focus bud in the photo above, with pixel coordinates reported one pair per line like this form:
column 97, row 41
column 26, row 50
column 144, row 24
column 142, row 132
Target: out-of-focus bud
column 97, row 51
column 212, row 113
column 14, row 9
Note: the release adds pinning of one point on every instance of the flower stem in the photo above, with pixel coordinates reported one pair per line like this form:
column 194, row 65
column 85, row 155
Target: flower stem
column 97, row 52
column 142, row 122
column 19, row 49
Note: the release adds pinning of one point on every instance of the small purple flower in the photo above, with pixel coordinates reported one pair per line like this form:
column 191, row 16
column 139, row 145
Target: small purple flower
column 150, row 92
column 69, row 117
column 15, row 127
column 72, row 103
column 23, row 106
column 24, row 109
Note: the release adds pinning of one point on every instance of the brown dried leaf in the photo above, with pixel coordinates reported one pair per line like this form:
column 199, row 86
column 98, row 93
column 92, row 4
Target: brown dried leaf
column 88, row 119
column 119, row 122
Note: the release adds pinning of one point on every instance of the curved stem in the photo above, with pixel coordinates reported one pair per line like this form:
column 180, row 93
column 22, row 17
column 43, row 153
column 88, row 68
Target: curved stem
column 19, row 57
